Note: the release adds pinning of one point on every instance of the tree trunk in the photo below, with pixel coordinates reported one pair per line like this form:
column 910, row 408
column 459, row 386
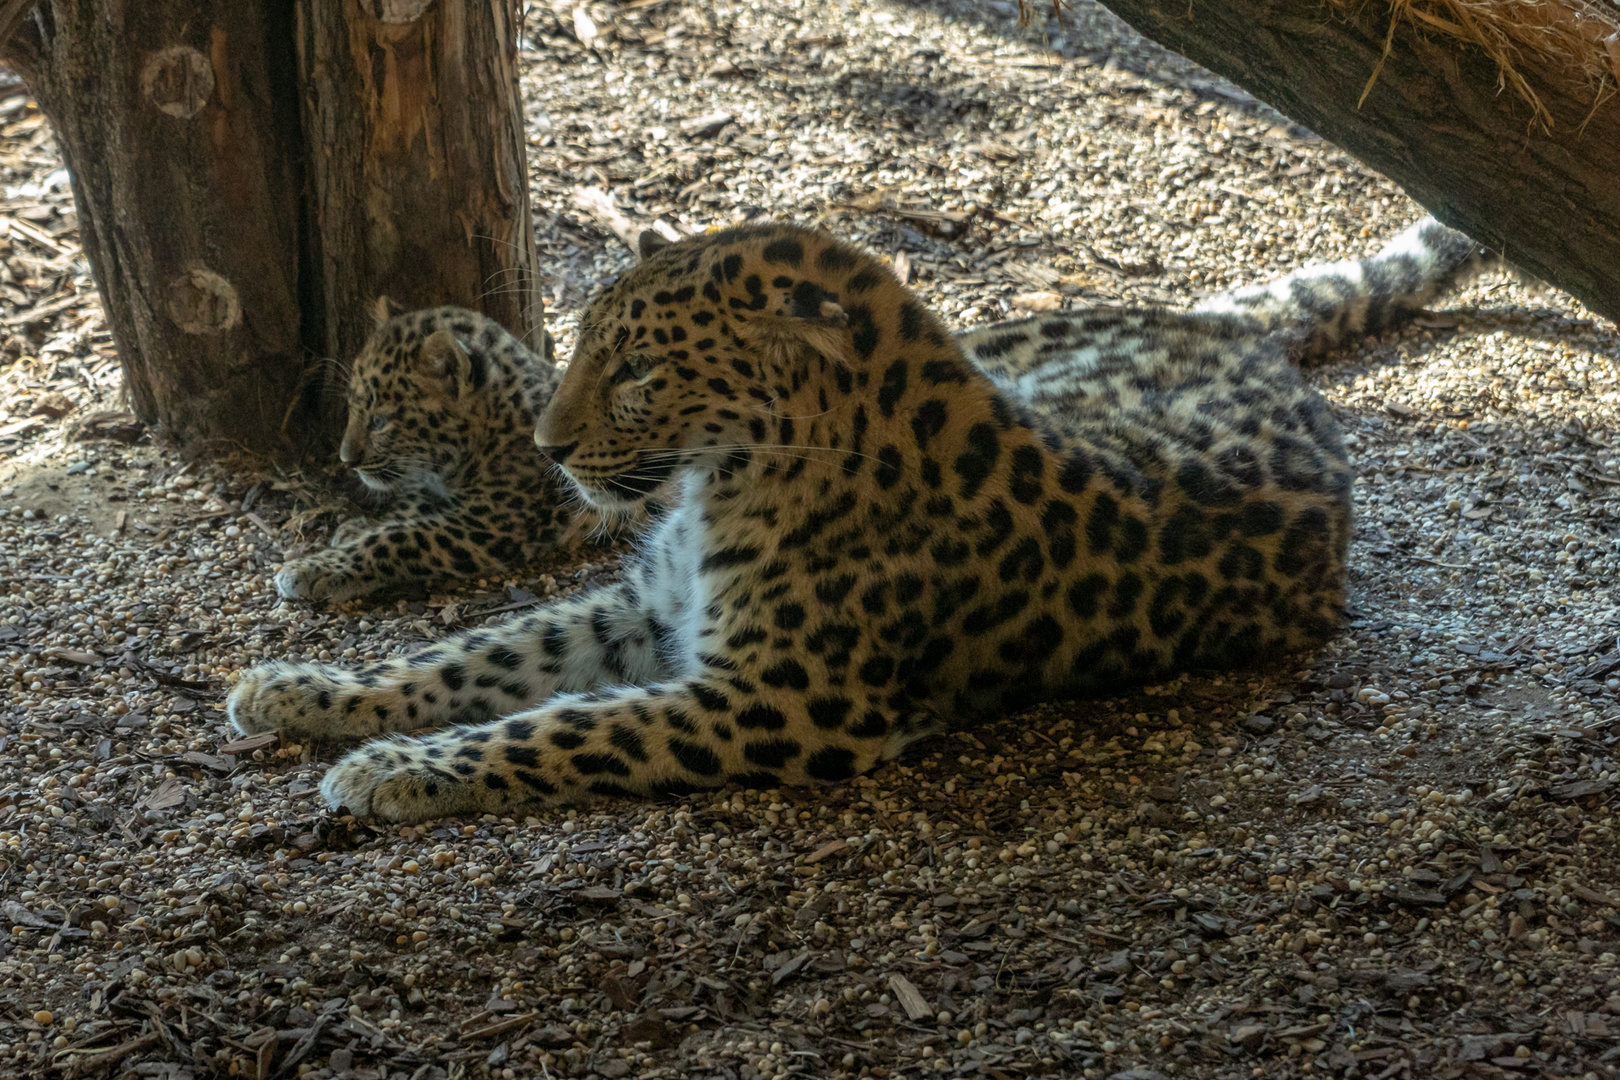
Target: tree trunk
column 250, row 174
column 1437, row 121
column 414, row 133
column 184, row 153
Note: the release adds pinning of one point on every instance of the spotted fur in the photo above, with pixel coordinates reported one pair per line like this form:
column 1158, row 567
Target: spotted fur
column 442, row 407
column 882, row 528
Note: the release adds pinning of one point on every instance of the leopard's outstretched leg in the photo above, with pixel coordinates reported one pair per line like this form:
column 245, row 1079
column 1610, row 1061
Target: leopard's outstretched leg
column 670, row 737
column 607, row 637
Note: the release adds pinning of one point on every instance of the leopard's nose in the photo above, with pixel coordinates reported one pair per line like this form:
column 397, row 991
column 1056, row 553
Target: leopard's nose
column 352, row 454
column 557, row 454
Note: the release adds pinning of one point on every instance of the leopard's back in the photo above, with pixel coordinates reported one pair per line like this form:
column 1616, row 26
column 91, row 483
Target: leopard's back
column 1219, row 384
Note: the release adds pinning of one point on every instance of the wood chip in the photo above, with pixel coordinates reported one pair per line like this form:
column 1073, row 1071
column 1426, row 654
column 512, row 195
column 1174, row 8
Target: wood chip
column 22, row 916
column 83, row 1063
column 622, row 994
column 599, row 204
column 1590, row 895
column 54, row 404
column 249, row 743
column 169, row 793
column 1578, row 789
column 944, row 222
column 909, row 998
column 831, row 848
column 119, row 426
column 584, row 27
column 996, row 151
column 41, row 238
column 706, row 126
column 789, row 969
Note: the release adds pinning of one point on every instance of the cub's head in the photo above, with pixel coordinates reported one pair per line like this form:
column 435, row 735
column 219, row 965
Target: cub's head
column 419, row 395
column 718, row 348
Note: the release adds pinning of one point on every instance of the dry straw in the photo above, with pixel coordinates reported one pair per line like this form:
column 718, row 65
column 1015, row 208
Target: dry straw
column 1562, row 41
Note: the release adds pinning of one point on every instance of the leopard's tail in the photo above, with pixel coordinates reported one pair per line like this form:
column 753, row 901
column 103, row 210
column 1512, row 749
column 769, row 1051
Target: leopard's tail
column 1326, row 305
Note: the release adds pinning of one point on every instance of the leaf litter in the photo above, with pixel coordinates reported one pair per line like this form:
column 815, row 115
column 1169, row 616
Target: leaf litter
column 1395, row 857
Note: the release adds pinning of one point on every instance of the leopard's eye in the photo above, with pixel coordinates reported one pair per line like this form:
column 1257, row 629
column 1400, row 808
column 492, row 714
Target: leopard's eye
column 378, row 422
column 640, row 365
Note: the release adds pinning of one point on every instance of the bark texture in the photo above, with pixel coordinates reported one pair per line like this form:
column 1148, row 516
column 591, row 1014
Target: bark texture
column 184, row 154
column 414, row 137
column 251, row 174
column 1437, row 121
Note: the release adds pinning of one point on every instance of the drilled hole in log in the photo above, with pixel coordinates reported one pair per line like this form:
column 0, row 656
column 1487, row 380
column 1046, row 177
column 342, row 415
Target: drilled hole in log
column 178, row 80
column 396, row 11
column 202, row 302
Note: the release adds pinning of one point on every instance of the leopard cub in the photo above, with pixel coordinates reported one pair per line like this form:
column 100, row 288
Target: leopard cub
column 442, row 408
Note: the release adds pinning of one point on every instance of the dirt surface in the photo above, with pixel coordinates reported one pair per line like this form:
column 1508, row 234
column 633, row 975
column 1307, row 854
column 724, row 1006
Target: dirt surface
column 1396, row 858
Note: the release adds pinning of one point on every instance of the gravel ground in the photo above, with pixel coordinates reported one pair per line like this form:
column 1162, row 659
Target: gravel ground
column 1393, row 859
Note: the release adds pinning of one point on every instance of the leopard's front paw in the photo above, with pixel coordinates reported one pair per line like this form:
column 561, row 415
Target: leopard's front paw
column 252, row 705
column 323, row 576
column 299, row 699
column 396, row 781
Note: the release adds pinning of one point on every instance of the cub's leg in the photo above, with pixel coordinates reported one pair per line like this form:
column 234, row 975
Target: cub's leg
column 672, row 737
column 364, row 557
column 350, row 531
column 605, row 637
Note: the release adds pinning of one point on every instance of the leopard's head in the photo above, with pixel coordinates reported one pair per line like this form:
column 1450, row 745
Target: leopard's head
column 417, row 396
column 715, row 351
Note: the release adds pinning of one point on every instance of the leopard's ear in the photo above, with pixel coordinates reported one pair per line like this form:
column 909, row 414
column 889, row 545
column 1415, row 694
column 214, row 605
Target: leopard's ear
column 383, row 310
column 650, row 241
column 444, row 359
column 790, row 339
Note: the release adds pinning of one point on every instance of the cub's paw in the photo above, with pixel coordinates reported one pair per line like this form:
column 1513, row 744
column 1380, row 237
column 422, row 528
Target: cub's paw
column 323, row 576
column 395, row 780
column 349, row 532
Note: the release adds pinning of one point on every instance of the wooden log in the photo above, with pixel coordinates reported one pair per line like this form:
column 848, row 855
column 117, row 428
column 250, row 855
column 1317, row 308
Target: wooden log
column 250, row 175
column 1437, row 120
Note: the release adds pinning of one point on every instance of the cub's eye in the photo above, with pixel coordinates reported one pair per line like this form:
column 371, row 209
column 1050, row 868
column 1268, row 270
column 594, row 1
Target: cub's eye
column 640, row 365
column 378, row 422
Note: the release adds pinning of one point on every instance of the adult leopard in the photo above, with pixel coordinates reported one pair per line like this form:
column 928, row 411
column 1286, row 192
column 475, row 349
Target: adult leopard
column 877, row 533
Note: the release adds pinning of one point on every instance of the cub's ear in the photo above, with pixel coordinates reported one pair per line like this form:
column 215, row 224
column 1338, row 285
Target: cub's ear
column 650, row 241
column 384, row 309
column 445, row 359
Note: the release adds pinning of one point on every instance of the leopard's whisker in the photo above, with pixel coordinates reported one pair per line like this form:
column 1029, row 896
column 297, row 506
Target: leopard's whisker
column 769, row 409
column 762, row 448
